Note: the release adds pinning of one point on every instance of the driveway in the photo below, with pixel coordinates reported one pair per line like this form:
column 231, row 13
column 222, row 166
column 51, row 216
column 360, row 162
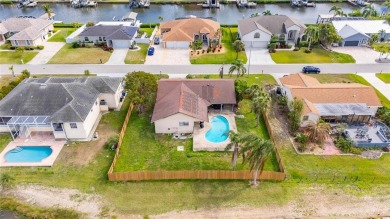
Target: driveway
column 259, row 56
column 164, row 56
column 362, row 55
column 377, row 83
column 49, row 50
column 117, row 57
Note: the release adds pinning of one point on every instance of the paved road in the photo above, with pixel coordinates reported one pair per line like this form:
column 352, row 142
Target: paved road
column 190, row 69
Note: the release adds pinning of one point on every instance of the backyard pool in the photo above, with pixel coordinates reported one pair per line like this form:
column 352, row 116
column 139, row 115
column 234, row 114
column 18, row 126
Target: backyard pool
column 219, row 130
column 28, row 154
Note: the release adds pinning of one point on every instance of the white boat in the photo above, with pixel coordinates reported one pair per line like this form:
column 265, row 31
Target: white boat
column 27, row 4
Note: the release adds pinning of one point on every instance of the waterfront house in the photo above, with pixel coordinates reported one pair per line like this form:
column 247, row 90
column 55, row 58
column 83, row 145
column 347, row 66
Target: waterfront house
column 182, row 32
column 67, row 108
column 257, row 31
column 359, row 32
column 331, row 102
column 182, row 103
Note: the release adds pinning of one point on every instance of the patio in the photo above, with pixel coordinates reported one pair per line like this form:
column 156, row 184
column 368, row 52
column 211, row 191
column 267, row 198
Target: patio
column 376, row 135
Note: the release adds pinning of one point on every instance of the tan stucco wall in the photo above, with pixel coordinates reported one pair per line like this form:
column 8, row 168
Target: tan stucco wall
column 171, row 124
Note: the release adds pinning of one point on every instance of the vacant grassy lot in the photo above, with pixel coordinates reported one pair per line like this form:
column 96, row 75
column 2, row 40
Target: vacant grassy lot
column 385, row 77
column 61, row 34
column 259, row 79
column 228, row 37
column 317, row 55
column 69, row 55
column 137, row 57
column 8, row 57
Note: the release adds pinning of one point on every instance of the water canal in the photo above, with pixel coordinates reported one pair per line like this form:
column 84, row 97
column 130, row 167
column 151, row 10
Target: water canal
column 227, row 14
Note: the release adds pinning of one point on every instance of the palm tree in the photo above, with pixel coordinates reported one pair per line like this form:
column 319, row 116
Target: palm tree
column 260, row 103
column 369, row 11
column 238, row 66
column 238, row 47
column 382, row 34
column 235, row 140
column 337, row 11
column 267, row 12
column 255, row 14
column 160, row 18
column 256, row 151
column 254, row 90
column 374, row 38
column 48, row 10
column 385, row 7
column 317, row 132
column 313, row 34
column 11, row 68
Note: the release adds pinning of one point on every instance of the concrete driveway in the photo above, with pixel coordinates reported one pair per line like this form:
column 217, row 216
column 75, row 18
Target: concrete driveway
column 362, row 55
column 49, row 50
column 259, row 56
column 164, row 56
column 117, row 57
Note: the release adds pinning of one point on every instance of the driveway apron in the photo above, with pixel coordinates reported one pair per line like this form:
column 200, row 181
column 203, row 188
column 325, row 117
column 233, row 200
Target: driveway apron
column 118, row 57
column 259, row 56
column 49, row 50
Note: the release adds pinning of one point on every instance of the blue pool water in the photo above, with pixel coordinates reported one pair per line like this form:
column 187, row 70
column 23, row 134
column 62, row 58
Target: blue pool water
column 219, row 130
column 28, row 154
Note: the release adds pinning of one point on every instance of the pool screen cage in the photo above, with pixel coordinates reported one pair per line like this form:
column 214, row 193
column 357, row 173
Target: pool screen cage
column 20, row 125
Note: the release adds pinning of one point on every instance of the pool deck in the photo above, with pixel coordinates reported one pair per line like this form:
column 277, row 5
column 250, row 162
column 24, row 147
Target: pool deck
column 37, row 139
column 200, row 143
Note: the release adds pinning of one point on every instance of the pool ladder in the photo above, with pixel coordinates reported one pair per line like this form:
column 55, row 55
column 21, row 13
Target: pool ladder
column 17, row 150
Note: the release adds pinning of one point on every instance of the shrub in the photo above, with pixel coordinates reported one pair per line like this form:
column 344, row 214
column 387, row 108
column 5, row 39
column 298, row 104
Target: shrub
column 307, row 50
column 12, row 47
column 208, row 50
column 75, row 45
column 206, row 77
column 40, row 47
column 90, row 24
column 296, row 49
column 303, row 44
column 112, row 141
column 87, row 73
column 301, row 138
column 345, row 145
column 302, row 147
column 189, row 76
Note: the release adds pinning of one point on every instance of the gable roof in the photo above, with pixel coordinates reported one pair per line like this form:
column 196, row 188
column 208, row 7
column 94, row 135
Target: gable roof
column 24, row 28
column 111, row 32
column 348, row 31
column 62, row 99
column 312, row 92
column 191, row 97
column 272, row 24
column 362, row 26
column 184, row 29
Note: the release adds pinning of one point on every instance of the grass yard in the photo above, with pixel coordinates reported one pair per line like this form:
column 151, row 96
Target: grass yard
column 6, row 79
column 148, row 31
column 137, row 57
column 6, row 46
column 61, row 34
column 228, row 37
column 8, row 57
column 385, row 77
column 259, row 79
column 69, row 55
column 318, row 55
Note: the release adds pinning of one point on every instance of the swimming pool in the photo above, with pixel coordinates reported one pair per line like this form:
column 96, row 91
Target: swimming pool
column 219, row 130
column 28, row 154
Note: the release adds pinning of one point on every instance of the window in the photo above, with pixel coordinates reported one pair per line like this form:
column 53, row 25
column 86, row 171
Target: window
column 100, row 38
column 305, row 118
column 58, row 127
column 257, row 35
column 16, row 43
column 104, row 38
column 184, row 123
column 27, row 42
column 73, row 125
column 86, row 39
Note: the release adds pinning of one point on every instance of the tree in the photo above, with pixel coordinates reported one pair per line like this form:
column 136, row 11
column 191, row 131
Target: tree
column 47, row 9
column 355, row 13
column 235, row 140
column 238, row 47
column 382, row 34
column 312, row 32
column 160, row 18
column 317, row 132
column 237, row 66
column 220, row 71
column 197, row 44
column 87, row 73
column 327, row 34
column 141, row 88
column 25, row 73
column 369, row 11
column 260, row 103
column 90, row 24
column 255, row 14
column 11, row 68
column 255, row 152
column 385, row 8
column 240, row 86
column 295, row 114
column 337, row 11
column 374, row 38
column 267, row 12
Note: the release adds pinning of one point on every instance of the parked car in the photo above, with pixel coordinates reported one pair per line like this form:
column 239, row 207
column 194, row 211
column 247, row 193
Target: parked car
column 150, row 51
column 156, row 40
column 311, row 70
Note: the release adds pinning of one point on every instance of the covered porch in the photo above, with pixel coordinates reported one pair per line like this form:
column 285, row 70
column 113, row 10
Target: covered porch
column 345, row 113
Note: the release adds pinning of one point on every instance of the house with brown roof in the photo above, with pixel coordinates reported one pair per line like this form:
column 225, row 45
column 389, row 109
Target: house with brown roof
column 332, row 102
column 183, row 103
column 182, row 32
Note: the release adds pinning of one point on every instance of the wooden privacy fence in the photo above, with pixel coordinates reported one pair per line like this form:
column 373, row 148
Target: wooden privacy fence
column 272, row 136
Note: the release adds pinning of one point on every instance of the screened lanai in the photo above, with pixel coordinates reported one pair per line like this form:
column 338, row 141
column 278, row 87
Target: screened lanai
column 21, row 125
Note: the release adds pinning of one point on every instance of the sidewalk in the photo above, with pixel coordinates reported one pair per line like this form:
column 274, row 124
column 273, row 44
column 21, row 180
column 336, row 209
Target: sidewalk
column 377, row 83
column 43, row 57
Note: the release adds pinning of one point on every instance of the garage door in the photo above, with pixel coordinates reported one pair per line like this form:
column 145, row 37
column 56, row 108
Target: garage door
column 177, row 45
column 258, row 44
column 121, row 43
column 351, row 43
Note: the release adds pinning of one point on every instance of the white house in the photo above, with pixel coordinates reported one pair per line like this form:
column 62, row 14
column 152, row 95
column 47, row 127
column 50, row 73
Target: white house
column 69, row 108
column 333, row 102
column 183, row 103
column 359, row 32
column 257, row 31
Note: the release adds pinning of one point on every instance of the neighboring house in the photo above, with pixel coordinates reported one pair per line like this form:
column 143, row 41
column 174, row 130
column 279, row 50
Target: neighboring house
column 182, row 103
column 182, row 32
column 69, row 108
column 358, row 32
column 26, row 31
column 333, row 102
column 257, row 31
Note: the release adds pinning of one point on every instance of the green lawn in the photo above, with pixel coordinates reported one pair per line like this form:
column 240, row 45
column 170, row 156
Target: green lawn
column 385, row 77
column 8, row 57
column 69, row 55
column 228, row 37
column 148, row 31
column 6, row 46
column 137, row 57
column 259, row 79
column 318, row 55
column 61, row 34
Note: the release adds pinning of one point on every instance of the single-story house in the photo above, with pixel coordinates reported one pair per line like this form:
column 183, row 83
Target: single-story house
column 332, row 102
column 69, row 108
column 182, row 32
column 23, row 31
column 359, row 32
column 182, row 103
column 257, row 31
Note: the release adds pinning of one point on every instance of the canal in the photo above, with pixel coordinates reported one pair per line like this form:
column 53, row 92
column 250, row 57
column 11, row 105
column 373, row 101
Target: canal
column 227, row 14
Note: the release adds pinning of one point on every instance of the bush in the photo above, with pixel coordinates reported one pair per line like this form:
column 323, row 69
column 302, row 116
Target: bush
column 302, row 147
column 303, row 44
column 40, row 47
column 208, row 50
column 189, row 76
column 307, row 50
column 112, row 141
column 345, row 145
column 75, row 45
column 296, row 49
column 12, row 47
column 301, row 138
column 90, row 24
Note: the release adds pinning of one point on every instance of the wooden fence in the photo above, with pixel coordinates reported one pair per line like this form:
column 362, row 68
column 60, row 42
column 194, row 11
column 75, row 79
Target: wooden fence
column 272, row 136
